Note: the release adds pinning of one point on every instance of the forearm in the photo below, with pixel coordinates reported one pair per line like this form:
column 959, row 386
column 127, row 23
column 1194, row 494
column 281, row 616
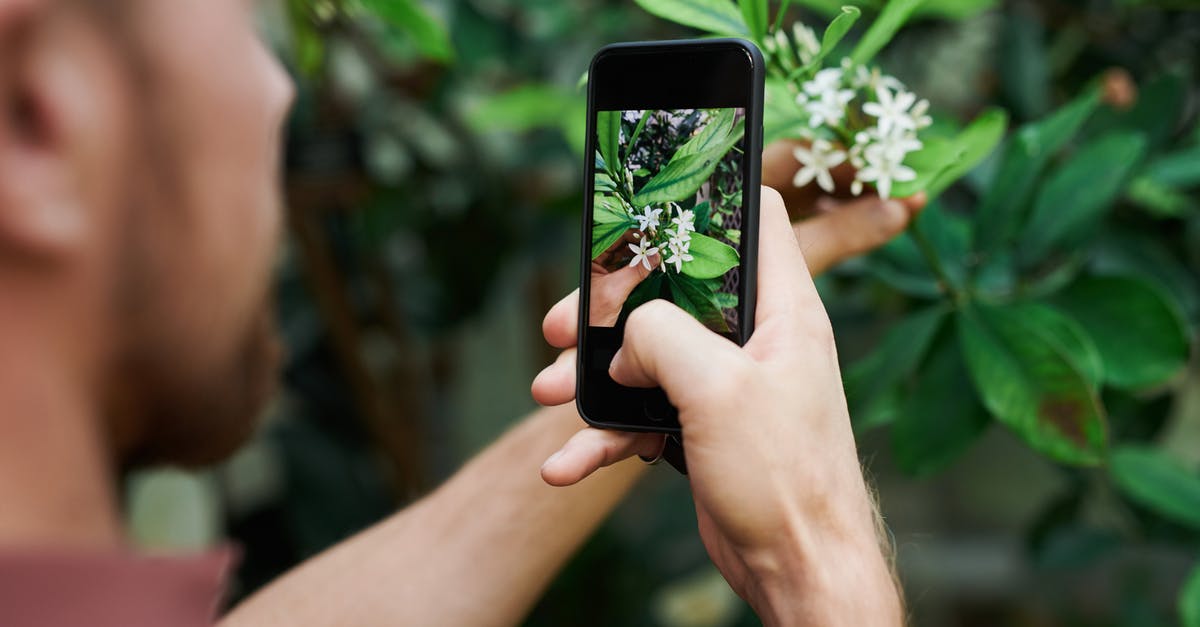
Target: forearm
column 478, row 551
column 836, row 571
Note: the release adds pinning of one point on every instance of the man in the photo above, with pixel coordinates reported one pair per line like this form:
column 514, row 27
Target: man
column 139, row 215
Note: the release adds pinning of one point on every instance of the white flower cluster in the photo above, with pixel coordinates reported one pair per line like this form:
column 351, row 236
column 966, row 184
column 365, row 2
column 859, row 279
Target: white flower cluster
column 872, row 113
column 675, row 238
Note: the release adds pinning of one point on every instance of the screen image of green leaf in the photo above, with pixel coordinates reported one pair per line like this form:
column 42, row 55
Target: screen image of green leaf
column 650, row 167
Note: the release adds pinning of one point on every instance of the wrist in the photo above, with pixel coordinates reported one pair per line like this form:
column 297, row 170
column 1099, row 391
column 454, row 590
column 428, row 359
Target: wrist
column 828, row 573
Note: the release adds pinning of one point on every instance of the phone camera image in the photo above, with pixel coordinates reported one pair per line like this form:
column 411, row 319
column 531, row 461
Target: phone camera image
column 667, row 214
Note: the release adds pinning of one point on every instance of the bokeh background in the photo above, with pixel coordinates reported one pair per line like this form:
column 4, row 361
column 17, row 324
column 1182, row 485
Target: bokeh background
column 434, row 177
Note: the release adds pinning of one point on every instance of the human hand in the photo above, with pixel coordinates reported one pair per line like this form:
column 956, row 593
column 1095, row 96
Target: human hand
column 614, row 277
column 833, row 227
column 782, row 506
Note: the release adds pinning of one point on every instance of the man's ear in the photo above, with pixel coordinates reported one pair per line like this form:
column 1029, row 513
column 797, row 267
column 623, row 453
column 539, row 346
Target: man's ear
column 52, row 110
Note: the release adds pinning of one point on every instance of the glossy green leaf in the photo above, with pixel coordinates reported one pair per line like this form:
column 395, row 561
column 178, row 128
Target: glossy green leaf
column 893, row 15
column 900, row 265
column 781, row 117
column 754, row 13
column 834, row 33
column 1189, row 599
column 605, row 234
column 714, row 16
column 715, row 134
column 1028, row 382
column 607, row 209
column 1003, row 206
column 1074, row 342
column 1158, row 109
column 523, row 108
column 711, row 258
column 871, row 383
column 703, row 211
column 608, row 140
column 1139, row 333
column 1125, row 252
column 1158, row 199
column 1179, row 169
column 637, row 131
column 682, row 176
column 1074, row 197
column 1024, row 65
column 941, row 417
column 955, row 157
column 1157, row 482
column 411, row 18
column 698, row 298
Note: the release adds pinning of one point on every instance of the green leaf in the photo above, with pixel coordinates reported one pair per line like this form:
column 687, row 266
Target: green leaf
column 894, row 14
column 713, row 136
column 637, row 131
column 713, row 16
column 834, row 33
column 941, row 417
column 1189, row 599
column 900, row 265
column 1159, row 200
column 712, row 258
column 1070, row 337
column 1159, row 108
column 1021, row 164
column 605, row 234
column 682, row 176
column 1029, row 383
column 523, row 108
column 1024, row 66
column 1140, row 335
column 1122, row 251
column 1072, row 200
column 1157, row 482
column 698, row 299
column 965, row 151
column 607, row 209
column 703, row 211
column 608, row 140
column 725, row 300
column 781, row 116
column 411, row 18
column 1179, row 169
column 754, row 12
column 870, row 383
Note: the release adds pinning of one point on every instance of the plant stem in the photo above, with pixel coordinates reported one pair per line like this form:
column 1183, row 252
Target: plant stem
column 931, row 258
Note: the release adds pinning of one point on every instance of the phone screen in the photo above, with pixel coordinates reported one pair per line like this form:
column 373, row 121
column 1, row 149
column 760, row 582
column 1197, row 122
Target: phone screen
column 673, row 158
column 667, row 213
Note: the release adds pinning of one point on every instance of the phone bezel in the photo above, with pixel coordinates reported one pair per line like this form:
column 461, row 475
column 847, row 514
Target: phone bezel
column 692, row 73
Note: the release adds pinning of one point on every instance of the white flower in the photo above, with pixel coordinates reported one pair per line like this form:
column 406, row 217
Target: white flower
column 828, row 79
column 884, row 166
column 919, row 113
column 892, row 110
column 680, row 236
column 817, row 162
column 807, row 45
column 824, row 99
column 685, row 221
column 649, row 219
column 679, row 254
column 642, row 252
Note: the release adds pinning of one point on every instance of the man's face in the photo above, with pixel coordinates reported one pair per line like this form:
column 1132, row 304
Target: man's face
column 197, row 357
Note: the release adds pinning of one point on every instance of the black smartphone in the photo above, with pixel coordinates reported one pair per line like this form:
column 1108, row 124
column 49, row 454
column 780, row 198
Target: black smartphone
column 674, row 150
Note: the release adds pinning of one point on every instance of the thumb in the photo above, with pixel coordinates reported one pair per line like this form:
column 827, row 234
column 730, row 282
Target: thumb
column 666, row 347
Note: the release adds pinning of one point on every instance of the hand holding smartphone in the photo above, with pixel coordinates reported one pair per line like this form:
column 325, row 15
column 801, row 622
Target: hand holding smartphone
column 673, row 170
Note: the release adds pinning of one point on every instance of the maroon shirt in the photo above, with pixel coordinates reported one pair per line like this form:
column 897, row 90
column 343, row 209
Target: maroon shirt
column 111, row 589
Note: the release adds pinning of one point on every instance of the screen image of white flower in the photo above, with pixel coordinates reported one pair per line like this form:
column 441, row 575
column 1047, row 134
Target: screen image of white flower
column 667, row 213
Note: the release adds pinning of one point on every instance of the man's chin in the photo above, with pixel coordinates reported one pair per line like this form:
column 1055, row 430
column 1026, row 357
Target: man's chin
column 204, row 420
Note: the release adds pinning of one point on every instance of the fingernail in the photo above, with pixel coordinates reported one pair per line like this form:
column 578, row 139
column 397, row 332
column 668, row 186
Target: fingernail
column 553, row 458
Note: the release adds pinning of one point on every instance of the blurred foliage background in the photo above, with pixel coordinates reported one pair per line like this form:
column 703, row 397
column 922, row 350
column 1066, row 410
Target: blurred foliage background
column 434, row 177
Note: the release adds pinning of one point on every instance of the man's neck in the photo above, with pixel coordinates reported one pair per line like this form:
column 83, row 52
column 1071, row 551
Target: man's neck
column 56, row 484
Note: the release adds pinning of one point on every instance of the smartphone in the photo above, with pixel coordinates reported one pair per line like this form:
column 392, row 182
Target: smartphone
column 674, row 149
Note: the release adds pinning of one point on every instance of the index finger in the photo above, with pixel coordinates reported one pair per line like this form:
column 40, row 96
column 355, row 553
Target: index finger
column 785, row 287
